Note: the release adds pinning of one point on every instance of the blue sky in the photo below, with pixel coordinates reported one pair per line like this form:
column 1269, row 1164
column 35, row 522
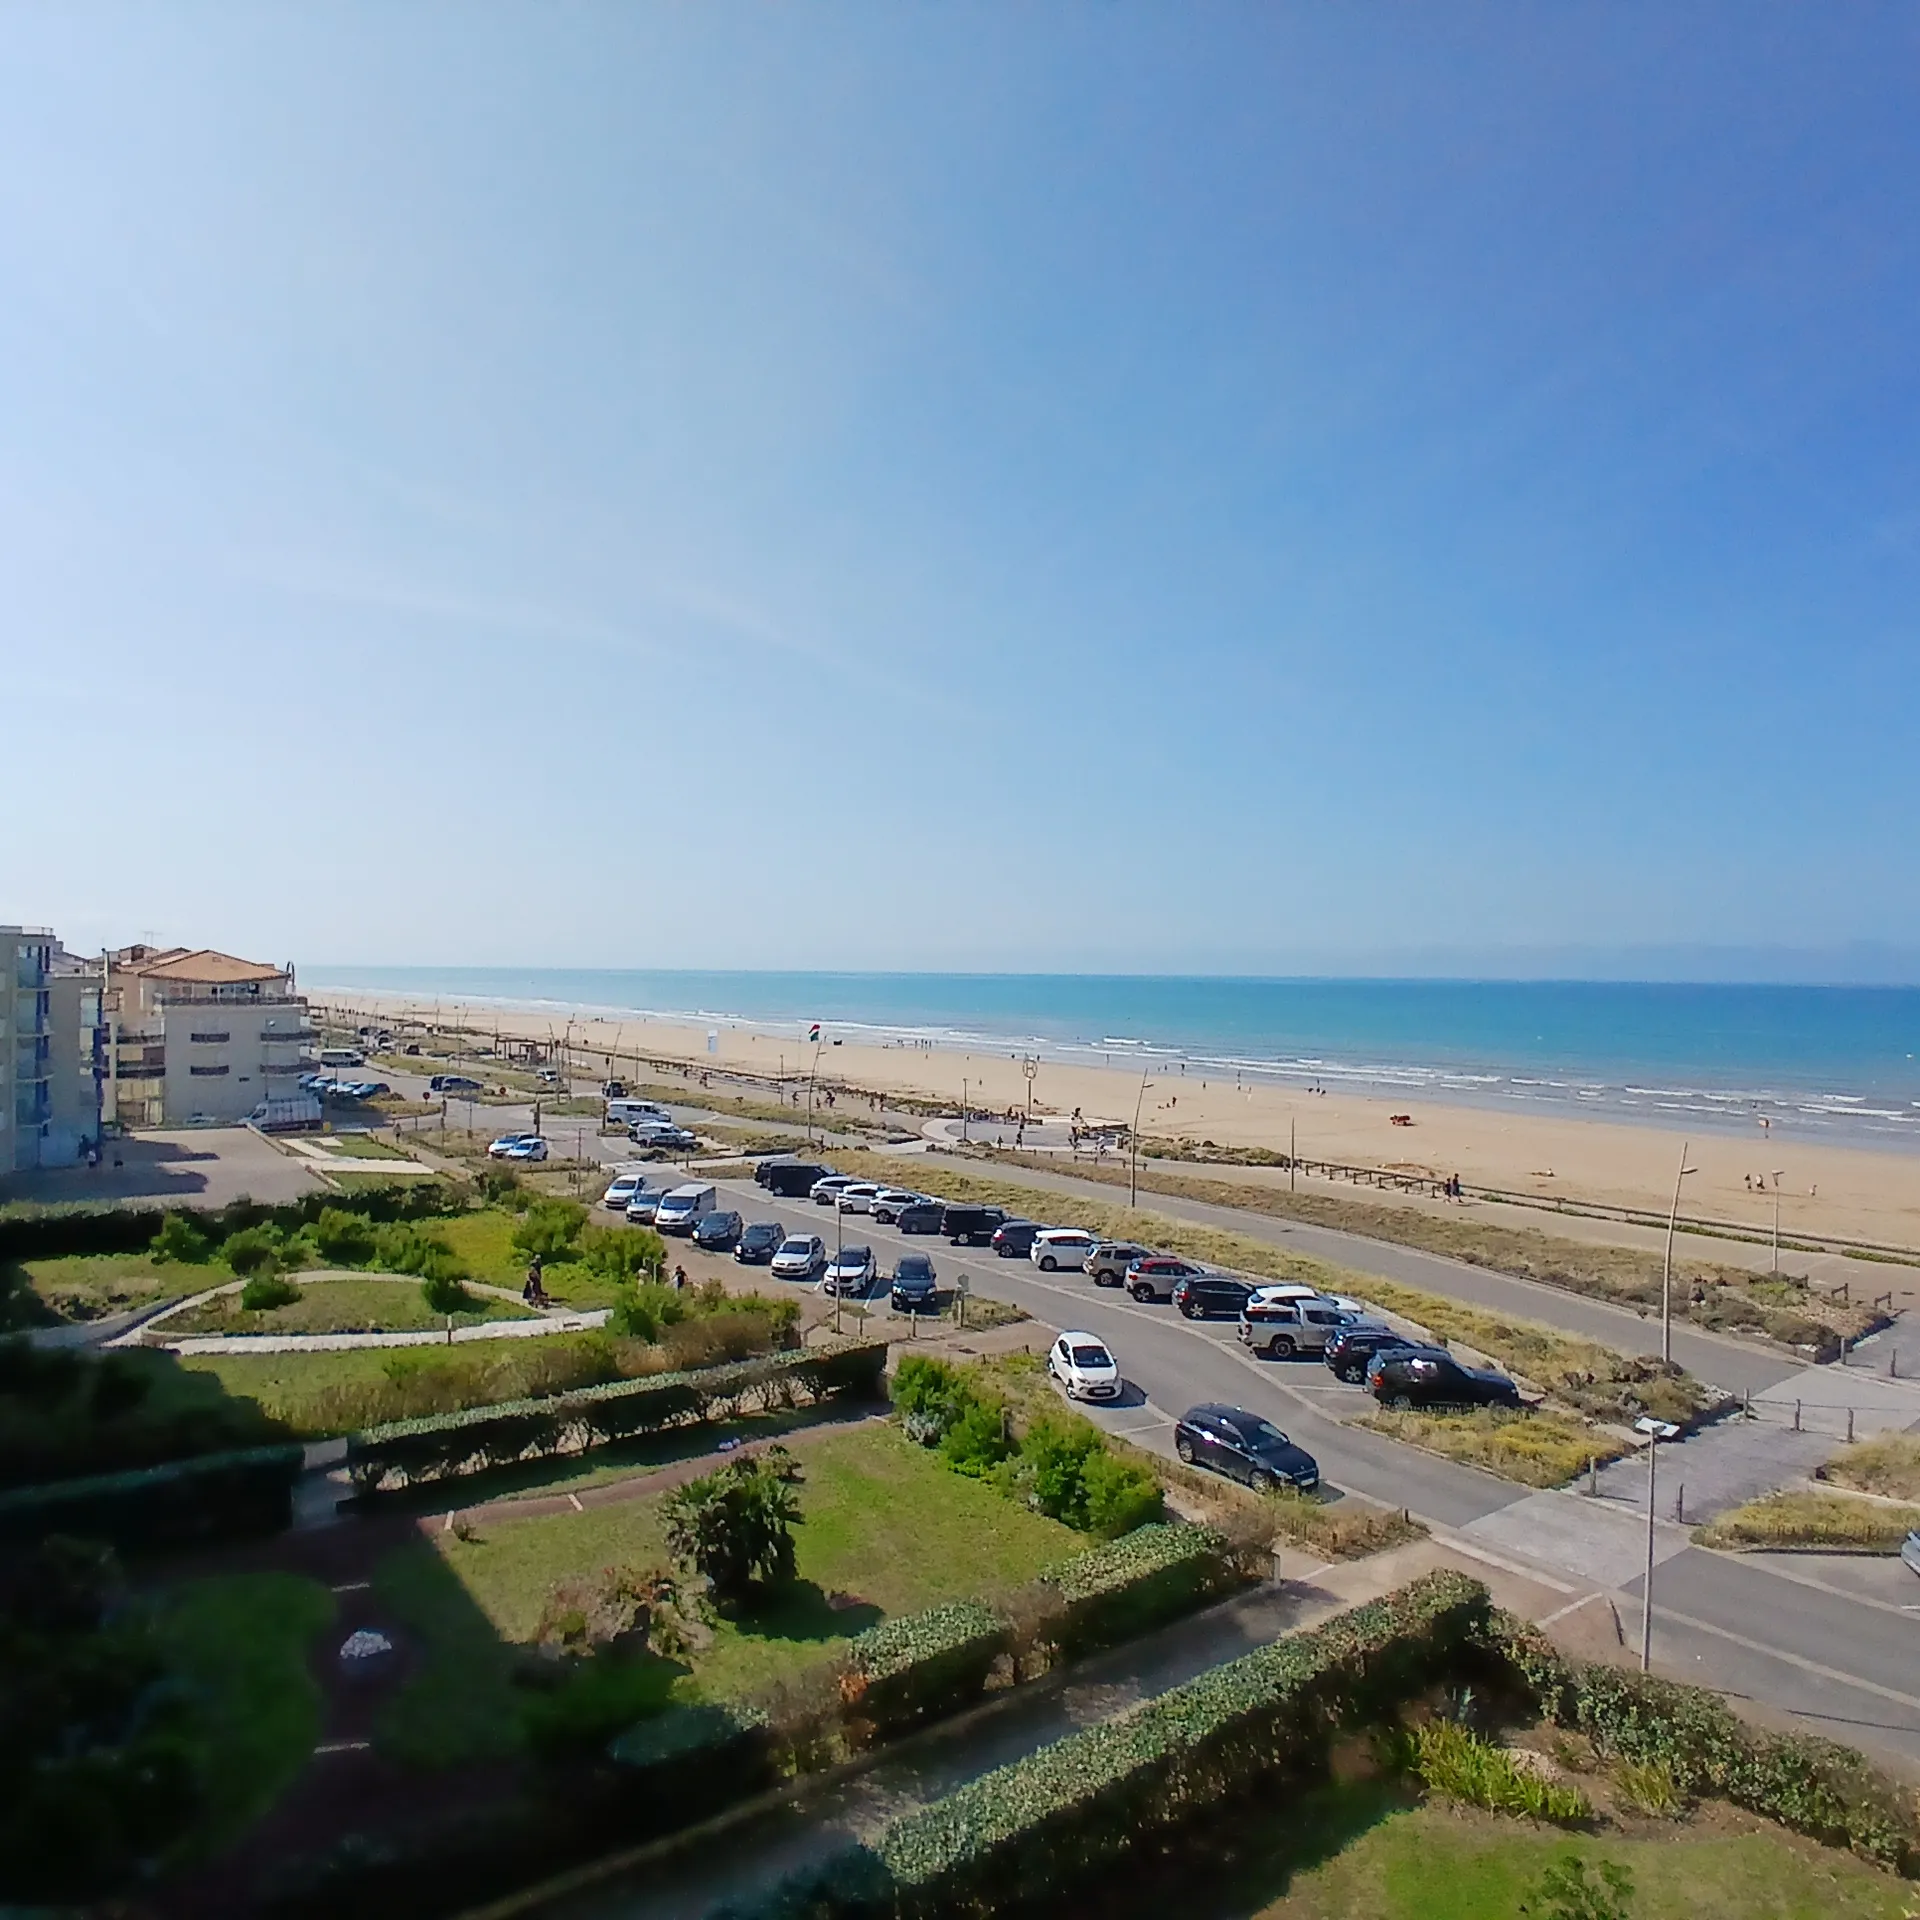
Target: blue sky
column 1129, row 487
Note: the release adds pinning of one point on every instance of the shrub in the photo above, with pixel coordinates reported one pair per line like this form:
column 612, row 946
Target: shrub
column 1133, row 1584
column 549, row 1228
column 213, row 1496
column 444, row 1445
column 1027, row 1833
column 402, row 1248
column 645, row 1312
column 1453, row 1761
column 734, row 1527
column 623, row 1253
column 181, row 1237
column 253, row 1250
column 691, row 1760
column 1808, row 1784
column 97, row 1772
column 268, row 1290
column 1563, row 1892
column 977, row 1442
column 344, row 1238
column 444, row 1293
column 933, row 1392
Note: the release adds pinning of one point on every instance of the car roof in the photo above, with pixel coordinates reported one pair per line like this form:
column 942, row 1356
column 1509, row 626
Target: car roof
column 1080, row 1333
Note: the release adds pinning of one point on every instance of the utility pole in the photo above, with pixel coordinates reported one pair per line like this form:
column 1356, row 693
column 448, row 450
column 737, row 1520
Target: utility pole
column 1293, row 1155
column 963, row 1108
column 1656, row 1431
column 1666, row 1276
column 1777, row 1172
column 1133, row 1168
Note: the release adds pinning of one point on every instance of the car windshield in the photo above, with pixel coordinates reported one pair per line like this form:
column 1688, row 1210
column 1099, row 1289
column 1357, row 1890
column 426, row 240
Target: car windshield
column 913, row 1267
column 800, row 1248
column 1092, row 1357
column 758, row 1235
column 1257, row 1432
column 854, row 1257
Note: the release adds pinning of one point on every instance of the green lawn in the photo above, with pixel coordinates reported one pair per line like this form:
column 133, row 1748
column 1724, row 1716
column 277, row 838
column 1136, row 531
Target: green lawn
column 357, row 1303
column 362, row 1146
column 887, row 1529
column 241, row 1642
column 1436, row 1862
column 88, row 1286
column 287, row 1385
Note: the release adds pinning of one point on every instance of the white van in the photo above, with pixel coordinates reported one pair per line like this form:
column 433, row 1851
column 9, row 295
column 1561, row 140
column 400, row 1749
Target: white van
column 683, row 1209
column 623, row 1113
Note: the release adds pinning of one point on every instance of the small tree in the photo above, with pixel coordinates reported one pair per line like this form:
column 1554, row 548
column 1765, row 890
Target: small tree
column 181, row 1238
column 268, row 1290
column 550, row 1228
column 444, row 1293
column 645, row 1312
column 735, row 1527
column 623, row 1254
column 252, row 1250
column 344, row 1238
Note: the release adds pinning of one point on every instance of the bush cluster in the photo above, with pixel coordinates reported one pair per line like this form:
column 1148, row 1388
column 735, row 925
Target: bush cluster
column 447, row 1445
column 1811, row 1785
column 212, row 1496
column 1061, row 1465
column 1453, row 1760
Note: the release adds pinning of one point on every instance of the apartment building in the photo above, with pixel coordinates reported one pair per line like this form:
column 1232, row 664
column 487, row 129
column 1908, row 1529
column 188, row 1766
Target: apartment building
column 52, row 1051
column 200, row 1038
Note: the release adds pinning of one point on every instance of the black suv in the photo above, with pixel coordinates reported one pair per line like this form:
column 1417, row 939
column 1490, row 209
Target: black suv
column 1202, row 1295
column 760, row 1243
column 971, row 1226
column 1243, row 1446
column 1429, row 1377
column 790, row 1179
column 718, row 1232
column 1349, row 1349
column 923, row 1216
column 913, row 1288
column 1014, row 1239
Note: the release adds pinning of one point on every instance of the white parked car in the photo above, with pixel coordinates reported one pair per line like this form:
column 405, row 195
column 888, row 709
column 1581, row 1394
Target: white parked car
column 852, row 1272
column 1084, row 1367
column 500, row 1149
column 620, row 1190
column 800, row 1258
column 528, row 1147
column 886, row 1204
column 826, row 1189
column 1062, row 1248
column 857, row 1196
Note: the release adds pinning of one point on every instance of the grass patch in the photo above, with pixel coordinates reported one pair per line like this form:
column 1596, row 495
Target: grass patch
column 240, row 1641
column 883, row 1524
column 88, row 1286
column 1888, row 1465
column 1537, row 1449
column 1705, row 1291
column 1805, row 1519
column 1355, row 1854
column 356, row 1304
column 361, row 1146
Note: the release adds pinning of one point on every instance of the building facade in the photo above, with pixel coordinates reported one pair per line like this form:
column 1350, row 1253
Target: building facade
column 52, row 1052
column 202, row 1039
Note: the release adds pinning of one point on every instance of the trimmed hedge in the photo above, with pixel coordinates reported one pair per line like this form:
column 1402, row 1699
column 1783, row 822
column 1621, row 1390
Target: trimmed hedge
column 689, row 1762
column 1027, row 1834
column 1136, row 1583
column 1829, row 1792
column 922, row 1665
column 54, row 1233
column 444, row 1446
column 215, row 1496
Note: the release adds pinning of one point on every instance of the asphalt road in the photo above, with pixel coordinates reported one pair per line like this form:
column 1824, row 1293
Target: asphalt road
column 1838, row 1650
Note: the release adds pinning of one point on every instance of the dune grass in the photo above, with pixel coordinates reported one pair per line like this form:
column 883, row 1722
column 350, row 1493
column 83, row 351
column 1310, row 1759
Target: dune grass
column 1537, row 1449
column 1888, row 1465
column 1800, row 1518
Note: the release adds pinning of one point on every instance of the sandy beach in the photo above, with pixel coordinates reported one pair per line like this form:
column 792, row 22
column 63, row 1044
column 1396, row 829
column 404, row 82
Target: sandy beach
column 1855, row 1193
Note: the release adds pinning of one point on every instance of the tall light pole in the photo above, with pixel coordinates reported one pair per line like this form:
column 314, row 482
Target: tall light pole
column 1030, row 1065
column 1666, row 1276
column 1656, row 1431
column 963, row 1109
column 1777, row 1172
column 1133, row 1169
column 813, row 1077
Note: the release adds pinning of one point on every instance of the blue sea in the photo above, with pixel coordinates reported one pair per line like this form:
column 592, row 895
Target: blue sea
column 1836, row 1063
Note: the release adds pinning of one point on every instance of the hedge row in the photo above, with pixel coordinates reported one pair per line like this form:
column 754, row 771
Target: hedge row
column 54, row 1233
column 443, row 1446
column 1027, row 1835
column 1828, row 1792
column 924, row 1665
column 215, row 1496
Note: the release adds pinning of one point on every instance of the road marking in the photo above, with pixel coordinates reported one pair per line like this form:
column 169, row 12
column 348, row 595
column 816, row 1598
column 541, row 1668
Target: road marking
column 1807, row 1580
column 1464, row 1543
column 1572, row 1606
column 1814, row 1667
column 573, row 1500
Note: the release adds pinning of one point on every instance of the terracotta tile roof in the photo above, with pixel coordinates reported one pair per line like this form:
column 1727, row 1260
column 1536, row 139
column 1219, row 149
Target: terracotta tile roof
column 205, row 968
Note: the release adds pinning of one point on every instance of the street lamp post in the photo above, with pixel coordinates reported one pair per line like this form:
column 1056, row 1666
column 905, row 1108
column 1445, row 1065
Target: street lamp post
column 963, row 1108
column 1030, row 1066
column 1666, row 1275
column 1133, row 1167
column 1656, row 1431
column 1777, row 1172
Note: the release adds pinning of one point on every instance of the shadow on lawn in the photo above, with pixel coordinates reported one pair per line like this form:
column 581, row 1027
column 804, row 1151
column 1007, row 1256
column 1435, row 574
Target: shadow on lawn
column 804, row 1610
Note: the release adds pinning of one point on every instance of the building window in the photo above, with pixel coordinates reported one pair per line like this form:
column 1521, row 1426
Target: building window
column 207, row 1072
column 210, row 1039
